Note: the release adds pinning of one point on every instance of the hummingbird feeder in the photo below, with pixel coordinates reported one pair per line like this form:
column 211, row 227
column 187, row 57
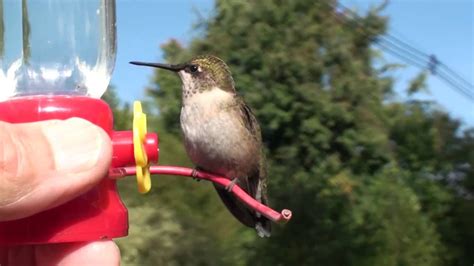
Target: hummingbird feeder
column 56, row 60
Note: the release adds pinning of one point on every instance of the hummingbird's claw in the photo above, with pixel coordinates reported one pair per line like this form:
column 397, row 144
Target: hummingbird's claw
column 231, row 185
column 194, row 174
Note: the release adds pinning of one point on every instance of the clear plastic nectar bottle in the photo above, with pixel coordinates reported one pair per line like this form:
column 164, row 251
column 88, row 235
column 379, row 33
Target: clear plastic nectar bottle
column 56, row 47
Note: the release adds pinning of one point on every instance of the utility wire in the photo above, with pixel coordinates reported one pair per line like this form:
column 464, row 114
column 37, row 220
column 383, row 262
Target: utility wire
column 412, row 55
column 455, row 83
column 393, row 51
column 442, row 65
column 407, row 46
column 424, row 60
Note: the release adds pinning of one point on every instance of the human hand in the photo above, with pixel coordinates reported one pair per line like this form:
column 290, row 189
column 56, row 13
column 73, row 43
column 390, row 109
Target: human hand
column 43, row 165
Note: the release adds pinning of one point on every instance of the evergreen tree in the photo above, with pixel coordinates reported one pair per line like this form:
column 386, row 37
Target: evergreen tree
column 370, row 181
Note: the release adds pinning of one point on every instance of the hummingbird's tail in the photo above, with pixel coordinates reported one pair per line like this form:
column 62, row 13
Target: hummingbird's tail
column 245, row 215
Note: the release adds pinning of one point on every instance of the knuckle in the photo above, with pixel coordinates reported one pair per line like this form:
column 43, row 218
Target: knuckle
column 10, row 150
column 11, row 180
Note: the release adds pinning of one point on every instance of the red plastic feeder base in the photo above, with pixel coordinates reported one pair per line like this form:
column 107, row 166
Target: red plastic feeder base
column 97, row 214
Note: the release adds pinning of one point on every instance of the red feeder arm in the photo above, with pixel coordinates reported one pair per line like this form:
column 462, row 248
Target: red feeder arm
column 279, row 217
column 99, row 213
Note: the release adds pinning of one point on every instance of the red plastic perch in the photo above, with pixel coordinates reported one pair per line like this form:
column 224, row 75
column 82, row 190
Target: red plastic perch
column 266, row 211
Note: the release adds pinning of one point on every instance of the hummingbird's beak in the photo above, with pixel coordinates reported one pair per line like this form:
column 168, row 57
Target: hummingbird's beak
column 170, row 67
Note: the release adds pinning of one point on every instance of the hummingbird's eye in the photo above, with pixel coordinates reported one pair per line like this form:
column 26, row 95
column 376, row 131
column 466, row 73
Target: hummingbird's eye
column 193, row 68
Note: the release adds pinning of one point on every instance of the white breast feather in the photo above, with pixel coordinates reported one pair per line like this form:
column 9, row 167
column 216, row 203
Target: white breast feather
column 201, row 114
column 211, row 132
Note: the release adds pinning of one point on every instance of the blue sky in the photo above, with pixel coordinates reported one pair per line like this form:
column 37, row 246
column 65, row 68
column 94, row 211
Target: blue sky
column 441, row 27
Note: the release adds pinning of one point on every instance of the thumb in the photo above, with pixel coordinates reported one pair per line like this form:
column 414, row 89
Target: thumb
column 45, row 164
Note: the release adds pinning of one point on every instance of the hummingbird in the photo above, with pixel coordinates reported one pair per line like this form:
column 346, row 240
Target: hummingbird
column 221, row 134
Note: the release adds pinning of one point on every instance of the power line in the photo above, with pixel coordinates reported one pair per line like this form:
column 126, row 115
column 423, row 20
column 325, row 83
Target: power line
column 412, row 55
column 407, row 46
column 423, row 61
column 435, row 66
column 455, row 84
column 442, row 65
column 398, row 54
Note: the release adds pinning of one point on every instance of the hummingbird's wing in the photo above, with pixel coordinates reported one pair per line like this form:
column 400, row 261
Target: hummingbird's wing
column 255, row 181
column 249, row 120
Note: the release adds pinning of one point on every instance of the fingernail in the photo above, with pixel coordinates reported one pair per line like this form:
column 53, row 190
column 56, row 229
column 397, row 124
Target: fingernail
column 76, row 144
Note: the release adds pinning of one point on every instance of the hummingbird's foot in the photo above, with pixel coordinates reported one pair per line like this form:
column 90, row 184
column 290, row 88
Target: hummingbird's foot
column 194, row 174
column 231, row 185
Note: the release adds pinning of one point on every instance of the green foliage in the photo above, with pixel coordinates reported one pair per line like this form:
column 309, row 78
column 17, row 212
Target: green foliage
column 370, row 182
column 122, row 112
column 389, row 215
column 418, row 83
